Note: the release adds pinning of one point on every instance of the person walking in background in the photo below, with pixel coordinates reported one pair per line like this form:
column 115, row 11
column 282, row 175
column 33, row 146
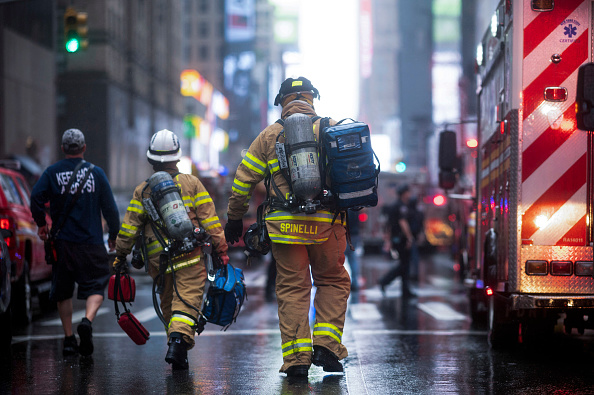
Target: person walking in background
column 81, row 254
column 416, row 220
column 351, row 255
column 401, row 239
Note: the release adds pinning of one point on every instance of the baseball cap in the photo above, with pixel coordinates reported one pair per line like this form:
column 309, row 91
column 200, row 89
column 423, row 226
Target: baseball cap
column 73, row 139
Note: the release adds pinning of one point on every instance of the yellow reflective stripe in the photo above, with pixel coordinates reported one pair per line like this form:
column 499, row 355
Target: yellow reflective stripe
column 328, row 330
column 241, row 187
column 181, row 265
column 288, row 239
column 182, row 318
column 201, row 198
column 254, row 163
column 129, row 227
column 154, row 248
column 256, row 160
column 211, row 223
column 188, row 202
column 297, row 345
column 273, row 165
column 121, row 232
column 286, row 216
column 135, row 206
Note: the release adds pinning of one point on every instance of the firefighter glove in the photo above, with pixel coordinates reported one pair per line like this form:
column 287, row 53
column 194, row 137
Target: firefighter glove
column 224, row 259
column 233, row 230
column 119, row 264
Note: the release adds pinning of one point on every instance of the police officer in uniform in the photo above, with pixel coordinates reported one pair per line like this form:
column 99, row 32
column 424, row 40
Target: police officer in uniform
column 190, row 274
column 300, row 242
column 401, row 238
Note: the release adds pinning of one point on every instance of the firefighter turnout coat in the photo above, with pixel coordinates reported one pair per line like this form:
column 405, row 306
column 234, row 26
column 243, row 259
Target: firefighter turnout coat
column 190, row 273
column 300, row 241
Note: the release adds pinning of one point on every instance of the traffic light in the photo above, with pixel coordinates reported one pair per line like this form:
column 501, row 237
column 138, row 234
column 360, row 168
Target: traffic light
column 75, row 30
column 447, row 159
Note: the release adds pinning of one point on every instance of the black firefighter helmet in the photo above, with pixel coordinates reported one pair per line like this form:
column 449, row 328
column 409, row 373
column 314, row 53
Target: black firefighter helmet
column 256, row 240
column 291, row 85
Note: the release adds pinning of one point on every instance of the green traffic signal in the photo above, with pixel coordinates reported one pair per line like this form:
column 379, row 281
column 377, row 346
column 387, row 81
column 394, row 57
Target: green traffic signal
column 72, row 45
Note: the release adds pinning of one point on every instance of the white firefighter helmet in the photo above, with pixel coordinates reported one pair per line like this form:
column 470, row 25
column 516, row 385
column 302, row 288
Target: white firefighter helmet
column 164, row 147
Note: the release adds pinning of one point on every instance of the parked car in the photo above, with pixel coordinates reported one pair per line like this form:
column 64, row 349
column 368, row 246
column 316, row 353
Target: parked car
column 5, row 314
column 30, row 274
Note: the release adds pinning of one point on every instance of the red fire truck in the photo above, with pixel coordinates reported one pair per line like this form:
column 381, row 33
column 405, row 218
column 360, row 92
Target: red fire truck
column 533, row 253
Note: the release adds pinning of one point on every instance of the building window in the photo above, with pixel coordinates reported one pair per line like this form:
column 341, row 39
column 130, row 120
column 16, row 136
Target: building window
column 204, row 5
column 187, row 53
column 203, row 52
column 204, row 30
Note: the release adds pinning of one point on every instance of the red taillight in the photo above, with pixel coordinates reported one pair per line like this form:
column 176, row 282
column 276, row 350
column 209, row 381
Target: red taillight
column 439, row 200
column 5, row 223
column 561, row 268
column 363, row 217
column 555, row 93
column 472, row 143
column 488, row 291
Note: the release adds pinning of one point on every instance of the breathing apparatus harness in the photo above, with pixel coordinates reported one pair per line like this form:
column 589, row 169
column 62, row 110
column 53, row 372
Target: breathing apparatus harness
column 168, row 216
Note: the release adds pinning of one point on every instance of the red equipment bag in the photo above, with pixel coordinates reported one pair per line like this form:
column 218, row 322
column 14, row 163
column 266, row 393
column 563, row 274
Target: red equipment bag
column 127, row 285
column 133, row 328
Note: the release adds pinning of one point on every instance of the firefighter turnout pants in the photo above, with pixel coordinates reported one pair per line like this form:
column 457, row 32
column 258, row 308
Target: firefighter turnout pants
column 190, row 281
column 293, row 289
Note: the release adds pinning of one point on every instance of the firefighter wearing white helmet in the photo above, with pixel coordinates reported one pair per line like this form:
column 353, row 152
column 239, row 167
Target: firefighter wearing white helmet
column 188, row 266
column 301, row 241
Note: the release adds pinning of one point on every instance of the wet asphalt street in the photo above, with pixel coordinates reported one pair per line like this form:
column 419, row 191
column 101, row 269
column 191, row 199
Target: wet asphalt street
column 424, row 345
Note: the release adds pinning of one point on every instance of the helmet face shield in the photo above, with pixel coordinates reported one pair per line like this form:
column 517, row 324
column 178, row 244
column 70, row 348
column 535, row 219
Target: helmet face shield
column 164, row 147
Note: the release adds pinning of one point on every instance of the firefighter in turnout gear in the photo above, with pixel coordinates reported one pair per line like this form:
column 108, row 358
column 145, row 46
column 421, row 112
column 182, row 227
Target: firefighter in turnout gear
column 301, row 241
column 189, row 275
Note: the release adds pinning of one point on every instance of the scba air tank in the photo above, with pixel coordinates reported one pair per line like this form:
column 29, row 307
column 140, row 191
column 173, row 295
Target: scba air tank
column 168, row 200
column 302, row 155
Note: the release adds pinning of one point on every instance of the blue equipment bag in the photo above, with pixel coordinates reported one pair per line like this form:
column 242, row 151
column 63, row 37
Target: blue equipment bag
column 349, row 164
column 225, row 296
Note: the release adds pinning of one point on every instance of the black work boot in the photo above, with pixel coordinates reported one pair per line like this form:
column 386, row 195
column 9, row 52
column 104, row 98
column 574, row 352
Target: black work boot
column 177, row 355
column 297, row 371
column 326, row 359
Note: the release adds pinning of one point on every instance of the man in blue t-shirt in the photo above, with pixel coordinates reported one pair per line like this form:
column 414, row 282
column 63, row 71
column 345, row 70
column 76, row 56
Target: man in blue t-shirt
column 78, row 234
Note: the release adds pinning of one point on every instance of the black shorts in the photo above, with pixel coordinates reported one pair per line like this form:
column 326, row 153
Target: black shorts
column 85, row 264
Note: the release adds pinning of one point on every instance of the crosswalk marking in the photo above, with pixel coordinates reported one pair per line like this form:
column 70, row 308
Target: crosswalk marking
column 146, row 314
column 441, row 311
column 76, row 317
column 364, row 311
